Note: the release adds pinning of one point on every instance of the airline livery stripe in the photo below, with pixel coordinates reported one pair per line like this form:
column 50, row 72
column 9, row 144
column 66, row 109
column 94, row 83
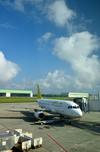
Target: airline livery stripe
column 54, row 102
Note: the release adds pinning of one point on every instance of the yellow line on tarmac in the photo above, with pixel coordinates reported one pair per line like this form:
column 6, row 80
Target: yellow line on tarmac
column 66, row 125
column 93, row 132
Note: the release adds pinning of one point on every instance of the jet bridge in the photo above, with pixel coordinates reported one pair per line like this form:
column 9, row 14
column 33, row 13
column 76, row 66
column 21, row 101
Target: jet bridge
column 88, row 105
column 94, row 105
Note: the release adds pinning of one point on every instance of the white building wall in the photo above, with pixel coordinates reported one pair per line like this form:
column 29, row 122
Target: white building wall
column 8, row 94
column 78, row 95
column 31, row 94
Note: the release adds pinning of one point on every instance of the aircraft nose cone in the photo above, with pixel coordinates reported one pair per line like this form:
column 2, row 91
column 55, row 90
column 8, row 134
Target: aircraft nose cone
column 80, row 113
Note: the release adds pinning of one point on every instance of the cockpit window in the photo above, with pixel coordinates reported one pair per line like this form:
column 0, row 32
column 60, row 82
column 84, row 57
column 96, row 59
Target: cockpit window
column 69, row 107
column 75, row 107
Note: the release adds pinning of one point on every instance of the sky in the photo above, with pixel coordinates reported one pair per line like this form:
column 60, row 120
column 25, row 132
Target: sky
column 53, row 43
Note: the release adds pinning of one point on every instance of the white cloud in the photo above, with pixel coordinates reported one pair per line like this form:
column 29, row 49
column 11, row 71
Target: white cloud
column 8, row 69
column 52, row 83
column 57, row 82
column 16, row 4
column 57, row 79
column 45, row 37
column 56, row 11
column 78, row 50
column 7, row 25
column 83, row 43
column 59, row 13
column 19, row 5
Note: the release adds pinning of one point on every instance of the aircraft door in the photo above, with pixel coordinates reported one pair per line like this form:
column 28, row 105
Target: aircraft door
column 85, row 105
column 61, row 107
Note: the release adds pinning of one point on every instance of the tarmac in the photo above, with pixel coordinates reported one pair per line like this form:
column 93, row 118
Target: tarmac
column 81, row 136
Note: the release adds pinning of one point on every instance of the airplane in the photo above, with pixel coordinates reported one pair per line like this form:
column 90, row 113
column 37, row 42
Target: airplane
column 65, row 108
column 61, row 107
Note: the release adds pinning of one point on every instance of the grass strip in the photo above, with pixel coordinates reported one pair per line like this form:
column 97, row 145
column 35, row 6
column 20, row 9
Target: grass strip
column 22, row 99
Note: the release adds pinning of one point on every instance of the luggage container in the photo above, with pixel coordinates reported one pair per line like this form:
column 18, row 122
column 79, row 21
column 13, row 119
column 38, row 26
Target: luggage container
column 18, row 140
column 24, row 143
column 6, row 141
column 37, row 142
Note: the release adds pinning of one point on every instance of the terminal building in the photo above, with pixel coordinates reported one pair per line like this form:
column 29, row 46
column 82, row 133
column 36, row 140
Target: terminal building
column 15, row 93
column 76, row 95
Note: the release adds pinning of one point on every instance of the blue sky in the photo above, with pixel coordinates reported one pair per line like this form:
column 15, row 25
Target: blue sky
column 54, row 43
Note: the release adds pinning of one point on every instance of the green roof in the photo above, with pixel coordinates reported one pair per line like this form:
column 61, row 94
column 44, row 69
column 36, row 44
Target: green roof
column 14, row 91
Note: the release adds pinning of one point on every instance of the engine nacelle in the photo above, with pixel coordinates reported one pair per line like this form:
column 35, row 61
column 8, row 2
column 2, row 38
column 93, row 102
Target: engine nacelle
column 39, row 115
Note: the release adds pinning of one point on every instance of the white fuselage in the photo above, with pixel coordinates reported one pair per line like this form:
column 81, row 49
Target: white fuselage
column 62, row 107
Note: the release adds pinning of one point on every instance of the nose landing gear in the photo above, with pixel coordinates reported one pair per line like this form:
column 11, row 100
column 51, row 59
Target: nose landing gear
column 69, row 121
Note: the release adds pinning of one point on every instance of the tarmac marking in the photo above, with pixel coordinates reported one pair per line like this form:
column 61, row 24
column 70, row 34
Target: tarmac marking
column 66, row 125
column 50, row 138
column 93, row 132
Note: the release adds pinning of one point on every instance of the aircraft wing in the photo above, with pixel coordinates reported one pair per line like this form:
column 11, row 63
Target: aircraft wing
column 37, row 109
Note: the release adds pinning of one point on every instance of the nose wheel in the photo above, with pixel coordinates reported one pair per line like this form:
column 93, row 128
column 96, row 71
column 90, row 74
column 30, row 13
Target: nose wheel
column 69, row 122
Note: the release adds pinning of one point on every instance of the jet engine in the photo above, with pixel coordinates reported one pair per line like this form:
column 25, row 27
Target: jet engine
column 39, row 115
